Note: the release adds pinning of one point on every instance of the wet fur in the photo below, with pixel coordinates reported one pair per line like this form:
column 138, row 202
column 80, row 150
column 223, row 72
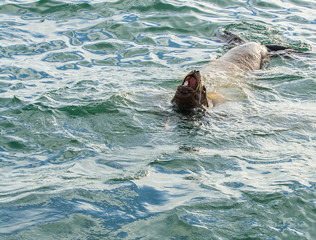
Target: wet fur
column 246, row 57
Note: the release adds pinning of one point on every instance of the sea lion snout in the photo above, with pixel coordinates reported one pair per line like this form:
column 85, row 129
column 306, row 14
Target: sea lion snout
column 193, row 79
column 184, row 89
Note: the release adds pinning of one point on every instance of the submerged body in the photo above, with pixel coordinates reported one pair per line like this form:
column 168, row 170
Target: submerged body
column 246, row 57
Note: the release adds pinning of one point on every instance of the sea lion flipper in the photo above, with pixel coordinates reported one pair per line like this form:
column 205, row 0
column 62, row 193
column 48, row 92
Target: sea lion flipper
column 274, row 48
column 281, row 51
column 230, row 38
column 216, row 98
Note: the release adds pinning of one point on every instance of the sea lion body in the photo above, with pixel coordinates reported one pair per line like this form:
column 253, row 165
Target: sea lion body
column 247, row 57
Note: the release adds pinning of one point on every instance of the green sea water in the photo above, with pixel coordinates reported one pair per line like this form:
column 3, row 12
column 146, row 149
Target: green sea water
column 91, row 147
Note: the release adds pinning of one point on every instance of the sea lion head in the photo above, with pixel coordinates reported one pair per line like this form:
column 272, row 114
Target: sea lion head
column 191, row 93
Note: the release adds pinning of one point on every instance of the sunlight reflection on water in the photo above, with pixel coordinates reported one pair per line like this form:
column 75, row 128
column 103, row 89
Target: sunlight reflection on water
column 85, row 98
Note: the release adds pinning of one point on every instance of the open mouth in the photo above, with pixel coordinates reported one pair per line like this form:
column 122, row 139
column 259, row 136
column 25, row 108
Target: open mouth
column 191, row 93
column 190, row 81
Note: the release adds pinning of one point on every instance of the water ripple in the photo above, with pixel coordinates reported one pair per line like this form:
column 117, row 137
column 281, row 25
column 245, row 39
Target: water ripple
column 90, row 146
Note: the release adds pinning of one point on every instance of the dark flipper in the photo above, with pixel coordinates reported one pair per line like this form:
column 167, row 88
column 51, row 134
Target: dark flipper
column 275, row 48
column 281, row 51
column 229, row 37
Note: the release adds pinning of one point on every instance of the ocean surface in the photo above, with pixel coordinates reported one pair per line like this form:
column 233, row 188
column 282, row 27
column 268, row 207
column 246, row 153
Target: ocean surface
column 91, row 147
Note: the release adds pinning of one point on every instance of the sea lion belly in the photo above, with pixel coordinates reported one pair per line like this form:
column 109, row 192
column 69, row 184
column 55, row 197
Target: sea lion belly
column 247, row 57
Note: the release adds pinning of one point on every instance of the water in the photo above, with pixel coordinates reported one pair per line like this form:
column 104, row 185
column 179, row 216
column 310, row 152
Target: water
column 91, row 147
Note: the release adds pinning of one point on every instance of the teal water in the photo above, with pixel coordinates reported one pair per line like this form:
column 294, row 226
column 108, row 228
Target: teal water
column 91, row 148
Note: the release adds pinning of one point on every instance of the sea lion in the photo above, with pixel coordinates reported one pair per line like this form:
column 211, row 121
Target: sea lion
column 247, row 57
